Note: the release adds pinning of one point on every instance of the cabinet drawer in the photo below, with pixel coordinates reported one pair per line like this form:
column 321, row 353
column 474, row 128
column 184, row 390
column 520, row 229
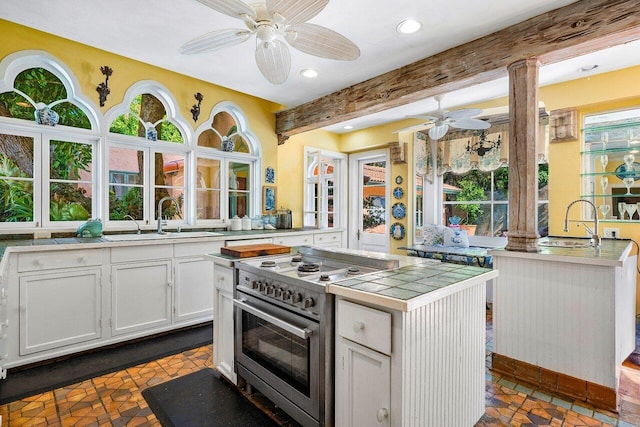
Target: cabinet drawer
column 141, row 253
column 365, row 325
column 59, row 259
column 328, row 238
column 197, row 248
column 299, row 240
column 223, row 278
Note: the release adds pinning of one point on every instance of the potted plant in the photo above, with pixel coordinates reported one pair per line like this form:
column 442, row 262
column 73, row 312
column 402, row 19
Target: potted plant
column 470, row 190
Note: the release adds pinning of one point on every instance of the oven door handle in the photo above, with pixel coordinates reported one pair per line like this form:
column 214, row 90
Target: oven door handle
column 300, row 333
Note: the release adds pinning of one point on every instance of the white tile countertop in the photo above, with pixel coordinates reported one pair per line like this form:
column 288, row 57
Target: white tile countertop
column 414, row 283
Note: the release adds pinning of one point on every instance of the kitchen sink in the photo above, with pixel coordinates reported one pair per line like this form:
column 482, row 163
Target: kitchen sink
column 156, row 236
column 565, row 243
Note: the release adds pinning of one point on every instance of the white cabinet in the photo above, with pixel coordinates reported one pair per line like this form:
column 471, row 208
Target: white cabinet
column 193, row 289
column 140, row 296
column 223, row 342
column 420, row 367
column 363, row 372
column 59, row 308
column 294, row 240
column 363, row 384
column 332, row 239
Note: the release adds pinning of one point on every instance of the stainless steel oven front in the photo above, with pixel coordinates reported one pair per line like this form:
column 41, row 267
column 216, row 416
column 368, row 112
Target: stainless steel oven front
column 278, row 352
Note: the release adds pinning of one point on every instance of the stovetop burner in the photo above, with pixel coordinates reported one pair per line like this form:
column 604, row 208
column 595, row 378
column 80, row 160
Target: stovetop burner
column 296, row 259
column 353, row 271
column 324, row 278
column 309, row 267
column 268, row 264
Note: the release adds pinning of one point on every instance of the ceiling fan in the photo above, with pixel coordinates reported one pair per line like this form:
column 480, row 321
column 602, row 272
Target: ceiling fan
column 276, row 24
column 442, row 120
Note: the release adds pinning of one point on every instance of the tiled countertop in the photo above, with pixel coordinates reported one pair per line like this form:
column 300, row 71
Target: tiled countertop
column 612, row 253
column 413, row 284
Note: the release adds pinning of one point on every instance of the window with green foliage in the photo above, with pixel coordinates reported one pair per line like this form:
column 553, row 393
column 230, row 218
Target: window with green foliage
column 480, row 199
column 33, row 163
column 145, row 112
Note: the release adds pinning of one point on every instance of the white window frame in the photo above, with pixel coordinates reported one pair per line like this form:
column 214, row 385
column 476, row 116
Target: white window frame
column 311, row 217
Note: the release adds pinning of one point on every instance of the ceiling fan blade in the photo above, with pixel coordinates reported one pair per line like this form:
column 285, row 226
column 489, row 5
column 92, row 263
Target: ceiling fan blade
column 463, row 114
column 274, row 61
column 469, row 124
column 323, row 42
column 414, row 128
column 215, row 40
column 425, row 117
column 296, row 11
column 233, row 8
column 438, row 131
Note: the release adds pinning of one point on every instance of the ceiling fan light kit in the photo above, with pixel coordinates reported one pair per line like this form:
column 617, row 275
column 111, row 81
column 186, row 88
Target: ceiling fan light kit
column 277, row 24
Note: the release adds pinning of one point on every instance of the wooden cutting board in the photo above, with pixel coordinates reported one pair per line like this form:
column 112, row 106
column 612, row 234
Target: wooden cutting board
column 259, row 249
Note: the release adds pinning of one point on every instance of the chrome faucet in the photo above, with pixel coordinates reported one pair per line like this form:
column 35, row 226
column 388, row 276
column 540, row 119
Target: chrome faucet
column 594, row 234
column 133, row 219
column 160, row 211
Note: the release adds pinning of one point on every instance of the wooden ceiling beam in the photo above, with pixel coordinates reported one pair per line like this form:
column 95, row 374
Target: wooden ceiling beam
column 576, row 29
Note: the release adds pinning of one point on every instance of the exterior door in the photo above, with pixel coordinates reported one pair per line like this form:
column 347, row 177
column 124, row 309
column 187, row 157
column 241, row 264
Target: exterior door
column 369, row 216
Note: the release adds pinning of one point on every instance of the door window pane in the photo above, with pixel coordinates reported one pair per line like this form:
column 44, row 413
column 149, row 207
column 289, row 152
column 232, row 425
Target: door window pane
column 373, row 197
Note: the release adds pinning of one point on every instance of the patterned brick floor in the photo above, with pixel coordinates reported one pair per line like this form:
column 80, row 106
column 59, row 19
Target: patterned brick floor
column 115, row 399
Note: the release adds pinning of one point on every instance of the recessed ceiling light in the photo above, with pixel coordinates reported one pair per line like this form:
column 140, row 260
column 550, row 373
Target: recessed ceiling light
column 408, row 26
column 347, row 127
column 309, row 73
column 589, row 67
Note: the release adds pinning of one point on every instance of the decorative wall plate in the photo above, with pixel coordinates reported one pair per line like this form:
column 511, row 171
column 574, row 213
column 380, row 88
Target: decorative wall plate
column 398, row 179
column 398, row 193
column 622, row 172
column 398, row 210
column 397, row 231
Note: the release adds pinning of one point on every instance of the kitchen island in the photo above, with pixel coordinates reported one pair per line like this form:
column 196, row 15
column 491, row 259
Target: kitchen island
column 564, row 317
column 410, row 345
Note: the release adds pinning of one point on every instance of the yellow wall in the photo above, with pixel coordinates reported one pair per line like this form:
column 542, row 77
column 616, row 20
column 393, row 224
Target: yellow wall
column 85, row 62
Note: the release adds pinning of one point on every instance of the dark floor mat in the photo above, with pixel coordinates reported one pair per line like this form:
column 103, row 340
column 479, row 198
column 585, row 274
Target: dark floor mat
column 22, row 383
column 203, row 399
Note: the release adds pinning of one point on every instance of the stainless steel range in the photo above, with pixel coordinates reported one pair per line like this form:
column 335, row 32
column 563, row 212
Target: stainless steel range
column 284, row 327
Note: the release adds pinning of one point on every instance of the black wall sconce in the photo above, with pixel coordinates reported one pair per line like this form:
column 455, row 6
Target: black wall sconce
column 195, row 110
column 103, row 88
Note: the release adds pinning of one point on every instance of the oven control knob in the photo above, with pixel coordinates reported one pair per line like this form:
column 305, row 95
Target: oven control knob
column 279, row 292
column 309, row 302
column 263, row 287
column 255, row 284
column 286, row 295
column 271, row 290
column 296, row 298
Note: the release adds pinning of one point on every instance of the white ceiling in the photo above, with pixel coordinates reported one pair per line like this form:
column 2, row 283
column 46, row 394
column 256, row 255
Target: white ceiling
column 152, row 31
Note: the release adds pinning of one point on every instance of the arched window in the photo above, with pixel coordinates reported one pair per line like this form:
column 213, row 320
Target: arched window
column 148, row 157
column 48, row 143
column 227, row 160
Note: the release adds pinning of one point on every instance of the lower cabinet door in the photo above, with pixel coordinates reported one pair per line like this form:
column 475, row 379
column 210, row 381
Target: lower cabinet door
column 59, row 309
column 363, row 386
column 194, row 289
column 223, row 336
column 140, row 296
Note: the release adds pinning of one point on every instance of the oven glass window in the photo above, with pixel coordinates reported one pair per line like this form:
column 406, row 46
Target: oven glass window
column 277, row 350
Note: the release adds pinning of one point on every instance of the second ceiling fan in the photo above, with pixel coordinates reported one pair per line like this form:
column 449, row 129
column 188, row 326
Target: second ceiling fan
column 442, row 120
column 277, row 24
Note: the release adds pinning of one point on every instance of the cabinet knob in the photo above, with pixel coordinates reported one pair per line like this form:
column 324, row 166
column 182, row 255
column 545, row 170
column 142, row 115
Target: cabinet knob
column 83, row 259
column 382, row 414
column 38, row 263
column 358, row 326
